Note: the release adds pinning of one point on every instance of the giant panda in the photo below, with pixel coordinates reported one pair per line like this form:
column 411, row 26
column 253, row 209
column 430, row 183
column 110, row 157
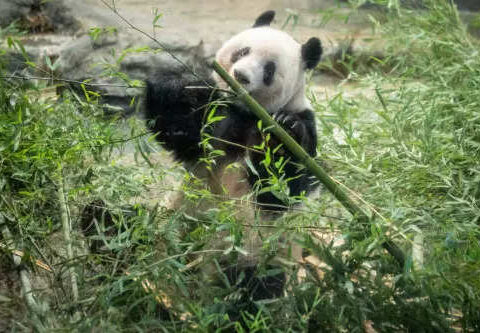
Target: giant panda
column 271, row 66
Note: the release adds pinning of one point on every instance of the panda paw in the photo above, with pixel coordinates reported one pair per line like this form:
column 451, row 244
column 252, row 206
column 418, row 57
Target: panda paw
column 293, row 124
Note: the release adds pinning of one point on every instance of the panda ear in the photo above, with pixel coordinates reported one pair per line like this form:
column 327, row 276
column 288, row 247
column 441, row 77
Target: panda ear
column 265, row 19
column 311, row 52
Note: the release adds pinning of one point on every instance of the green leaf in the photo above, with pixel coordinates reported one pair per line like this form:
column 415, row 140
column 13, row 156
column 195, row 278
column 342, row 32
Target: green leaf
column 17, row 138
column 250, row 166
column 157, row 17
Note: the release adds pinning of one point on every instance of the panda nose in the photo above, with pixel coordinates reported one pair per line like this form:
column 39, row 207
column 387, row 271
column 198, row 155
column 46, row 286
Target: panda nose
column 240, row 77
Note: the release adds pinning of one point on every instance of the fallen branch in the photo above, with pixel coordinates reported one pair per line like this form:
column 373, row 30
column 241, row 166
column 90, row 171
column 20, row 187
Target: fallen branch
column 305, row 159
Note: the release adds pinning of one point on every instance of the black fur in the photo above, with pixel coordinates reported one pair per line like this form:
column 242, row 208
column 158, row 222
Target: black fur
column 311, row 53
column 257, row 287
column 239, row 53
column 301, row 126
column 177, row 114
column 241, row 77
column 269, row 72
column 264, row 19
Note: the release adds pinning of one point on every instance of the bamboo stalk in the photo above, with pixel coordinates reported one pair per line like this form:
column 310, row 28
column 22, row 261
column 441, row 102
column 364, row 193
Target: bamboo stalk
column 24, row 278
column 417, row 251
column 66, row 232
column 304, row 158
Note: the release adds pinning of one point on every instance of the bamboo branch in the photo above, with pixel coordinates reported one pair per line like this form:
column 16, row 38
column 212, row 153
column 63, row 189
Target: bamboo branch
column 304, row 158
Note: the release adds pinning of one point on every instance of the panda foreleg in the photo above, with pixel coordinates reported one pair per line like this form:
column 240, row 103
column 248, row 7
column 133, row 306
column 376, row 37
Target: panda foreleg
column 301, row 126
column 175, row 106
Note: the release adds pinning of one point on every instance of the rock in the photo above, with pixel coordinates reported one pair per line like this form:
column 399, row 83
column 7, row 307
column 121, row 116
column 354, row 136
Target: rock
column 472, row 21
column 14, row 62
column 471, row 5
column 37, row 47
column 116, row 63
column 38, row 15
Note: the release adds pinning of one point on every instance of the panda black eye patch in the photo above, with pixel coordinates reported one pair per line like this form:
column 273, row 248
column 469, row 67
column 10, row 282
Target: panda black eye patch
column 239, row 53
column 269, row 73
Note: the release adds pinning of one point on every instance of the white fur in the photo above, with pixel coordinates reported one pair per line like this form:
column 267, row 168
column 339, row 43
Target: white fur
column 268, row 44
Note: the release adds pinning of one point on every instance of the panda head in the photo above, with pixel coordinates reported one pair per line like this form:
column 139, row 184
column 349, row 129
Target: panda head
column 270, row 64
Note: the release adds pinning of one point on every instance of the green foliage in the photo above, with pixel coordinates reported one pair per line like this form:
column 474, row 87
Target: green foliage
column 409, row 147
column 36, row 139
column 414, row 149
column 97, row 32
column 41, row 141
